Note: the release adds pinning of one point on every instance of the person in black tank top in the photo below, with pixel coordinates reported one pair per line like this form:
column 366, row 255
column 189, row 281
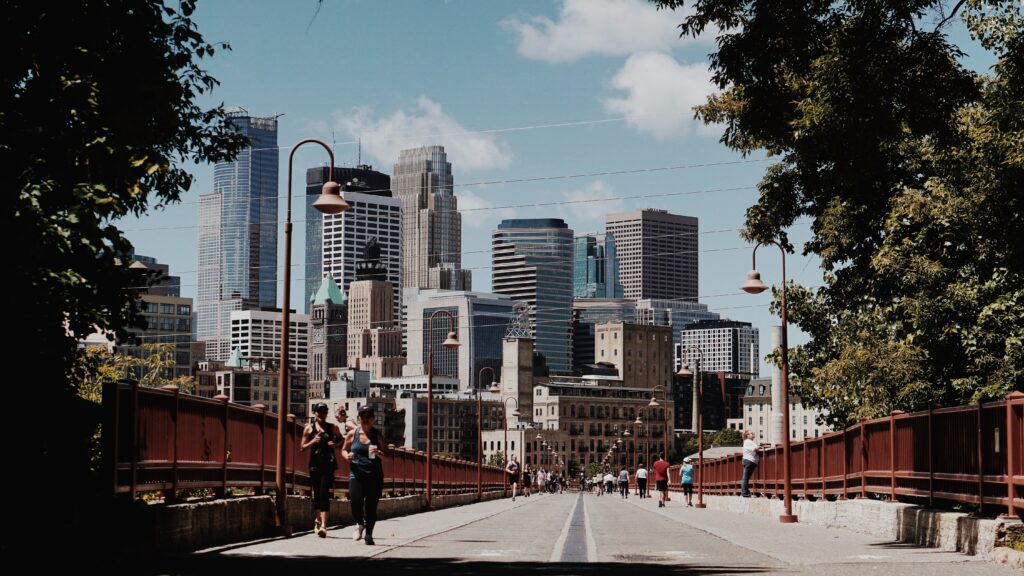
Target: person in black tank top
column 321, row 438
column 363, row 448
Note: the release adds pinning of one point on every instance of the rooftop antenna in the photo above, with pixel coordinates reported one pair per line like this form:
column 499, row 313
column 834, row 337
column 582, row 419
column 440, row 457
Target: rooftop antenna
column 360, row 163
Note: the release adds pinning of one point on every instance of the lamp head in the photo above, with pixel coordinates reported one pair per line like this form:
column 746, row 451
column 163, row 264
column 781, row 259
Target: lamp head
column 330, row 200
column 754, row 285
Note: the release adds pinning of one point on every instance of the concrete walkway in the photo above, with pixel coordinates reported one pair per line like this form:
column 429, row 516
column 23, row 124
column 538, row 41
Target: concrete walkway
column 584, row 534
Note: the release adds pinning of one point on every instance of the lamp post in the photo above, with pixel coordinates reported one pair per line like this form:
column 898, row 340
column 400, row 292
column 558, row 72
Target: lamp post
column 329, row 202
column 451, row 342
column 504, row 416
column 479, row 432
column 684, row 370
column 630, row 445
column 754, row 285
column 654, row 404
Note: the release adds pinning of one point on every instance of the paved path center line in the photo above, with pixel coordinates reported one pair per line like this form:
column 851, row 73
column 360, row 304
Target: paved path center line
column 556, row 553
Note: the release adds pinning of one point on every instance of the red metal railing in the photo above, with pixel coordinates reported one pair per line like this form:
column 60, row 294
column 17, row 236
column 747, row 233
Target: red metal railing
column 161, row 440
column 972, row 454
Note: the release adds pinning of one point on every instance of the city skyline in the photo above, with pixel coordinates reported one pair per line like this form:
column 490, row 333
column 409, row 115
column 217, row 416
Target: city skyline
column 512, row 142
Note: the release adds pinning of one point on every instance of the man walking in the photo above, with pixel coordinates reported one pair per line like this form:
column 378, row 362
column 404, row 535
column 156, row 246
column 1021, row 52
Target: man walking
column 660, row 468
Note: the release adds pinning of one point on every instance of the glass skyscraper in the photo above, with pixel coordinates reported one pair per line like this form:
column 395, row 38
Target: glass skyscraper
column 238, row 232
column 532, row 263
column 596, row 268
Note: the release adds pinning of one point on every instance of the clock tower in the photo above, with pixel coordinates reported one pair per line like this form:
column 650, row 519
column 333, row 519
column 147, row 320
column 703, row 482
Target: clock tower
column 327, row 334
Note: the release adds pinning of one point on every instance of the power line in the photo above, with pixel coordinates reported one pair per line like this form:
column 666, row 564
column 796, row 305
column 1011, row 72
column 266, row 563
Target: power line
column 551, row 178
column 485, row 251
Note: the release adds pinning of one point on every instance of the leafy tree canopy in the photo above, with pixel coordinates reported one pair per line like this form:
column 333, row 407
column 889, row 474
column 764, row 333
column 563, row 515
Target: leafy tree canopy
column 99, row 115
column 909, row 166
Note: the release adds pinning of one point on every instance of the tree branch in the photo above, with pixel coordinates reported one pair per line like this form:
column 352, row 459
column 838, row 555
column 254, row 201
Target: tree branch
column 951, row 14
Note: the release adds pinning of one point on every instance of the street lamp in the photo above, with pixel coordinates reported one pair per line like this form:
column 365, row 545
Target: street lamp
column 754, row 285
column 479, row 431
column 654, row 404
column 451, row 342
column 698, row 382
column 329, row 202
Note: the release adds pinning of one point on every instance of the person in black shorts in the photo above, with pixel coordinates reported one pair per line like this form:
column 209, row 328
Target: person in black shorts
column 527, row 481
column 321, row 438
column 512, row 470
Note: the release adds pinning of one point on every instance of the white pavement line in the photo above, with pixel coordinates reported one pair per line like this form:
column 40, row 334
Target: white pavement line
column 556, row 553
column 391, row 547
column 591, row 544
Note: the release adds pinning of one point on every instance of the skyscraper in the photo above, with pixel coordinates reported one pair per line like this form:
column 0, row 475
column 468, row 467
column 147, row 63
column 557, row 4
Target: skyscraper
column 657, row 254
column 431, row 223
column 238, row 234
column 727, row 345
column 373, row 214
column 532, row 262
column 353, row 223
column 596, row 268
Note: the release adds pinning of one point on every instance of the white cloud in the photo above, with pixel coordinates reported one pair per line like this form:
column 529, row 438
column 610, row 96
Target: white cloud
column 426, row 124
column 478, row 211
column 599, row 27
column 590, row 205
column 660, row 95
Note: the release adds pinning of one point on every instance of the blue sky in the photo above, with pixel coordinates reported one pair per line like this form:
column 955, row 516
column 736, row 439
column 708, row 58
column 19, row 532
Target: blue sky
column 490, row 80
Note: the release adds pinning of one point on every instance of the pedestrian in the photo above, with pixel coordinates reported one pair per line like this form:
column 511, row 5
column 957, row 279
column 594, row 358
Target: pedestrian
column 686, row 479
column 363, row 448
column 750, row 459
column 609, row 481
column 527, row 481
column 624, row 483
column 661, row 478
column 321, row 438
column 595, row 482
column 641, row 480
column 512, row 470
column 345, row 424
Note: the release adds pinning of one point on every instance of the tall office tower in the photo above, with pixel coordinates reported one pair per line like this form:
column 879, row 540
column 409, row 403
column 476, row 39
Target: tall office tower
column 238, row 234
column 328, row 342
column 373, row 214
column 532, row 262
column 596, row 268
column 657, row 254
column 727, row 345
column 431, row 224
column 374, row 340
column 349, row 225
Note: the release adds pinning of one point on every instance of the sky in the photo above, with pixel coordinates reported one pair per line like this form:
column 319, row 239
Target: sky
column 569, row 108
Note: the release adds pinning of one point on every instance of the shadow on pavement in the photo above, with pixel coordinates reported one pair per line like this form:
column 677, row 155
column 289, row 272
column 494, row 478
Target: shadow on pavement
column 252, row 565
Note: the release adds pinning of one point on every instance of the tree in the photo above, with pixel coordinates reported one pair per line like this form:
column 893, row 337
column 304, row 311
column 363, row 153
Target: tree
column 909, row 167
column 496, row 459
column 99, row 115
column 99, row 365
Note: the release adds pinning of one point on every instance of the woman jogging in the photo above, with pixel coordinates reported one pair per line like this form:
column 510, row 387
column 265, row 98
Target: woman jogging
column 321, row 438
column 512, row 471
column 363, row 448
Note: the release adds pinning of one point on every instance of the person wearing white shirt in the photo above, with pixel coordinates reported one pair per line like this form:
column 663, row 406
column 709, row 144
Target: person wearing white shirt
column 750, row 459
column 641, row 481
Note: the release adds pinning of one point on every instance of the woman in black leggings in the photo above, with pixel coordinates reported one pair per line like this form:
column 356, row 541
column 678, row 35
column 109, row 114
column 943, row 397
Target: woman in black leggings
column 363, row 448
column 321, row 438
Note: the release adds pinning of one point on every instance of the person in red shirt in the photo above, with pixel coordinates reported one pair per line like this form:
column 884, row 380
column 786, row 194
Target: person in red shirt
column 660, row 468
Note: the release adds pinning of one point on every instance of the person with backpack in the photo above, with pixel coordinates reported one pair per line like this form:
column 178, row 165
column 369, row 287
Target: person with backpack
column 321, row 438
column 363, row 448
